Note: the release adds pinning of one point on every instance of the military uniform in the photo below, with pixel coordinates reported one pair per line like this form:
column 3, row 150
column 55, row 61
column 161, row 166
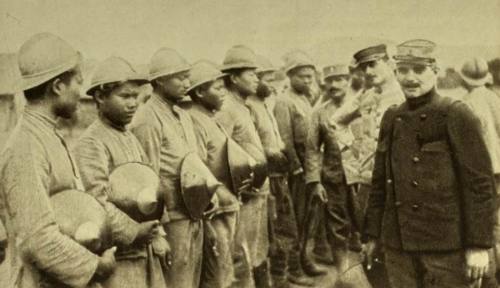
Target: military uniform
column 218, row 267
column 323, row 165
column 236, row 119
column 101, row 149
column 432, row 194
column 35, row 165
column 286, row 247
column 167, row 135
column 293, row 114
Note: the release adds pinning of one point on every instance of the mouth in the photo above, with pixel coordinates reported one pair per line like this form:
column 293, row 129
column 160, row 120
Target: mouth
column 411, row 86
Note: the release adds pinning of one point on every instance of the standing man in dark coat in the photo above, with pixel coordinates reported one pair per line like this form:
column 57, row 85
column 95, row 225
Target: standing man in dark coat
column 432, row 201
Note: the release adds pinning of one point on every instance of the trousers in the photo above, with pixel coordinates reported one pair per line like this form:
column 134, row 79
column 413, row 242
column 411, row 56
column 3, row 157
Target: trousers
column 432, row 270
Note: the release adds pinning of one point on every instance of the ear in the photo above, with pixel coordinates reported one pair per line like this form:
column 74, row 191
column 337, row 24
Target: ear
column 57, row 86
column 99, row 97
column 198, row 92
column 233, row 78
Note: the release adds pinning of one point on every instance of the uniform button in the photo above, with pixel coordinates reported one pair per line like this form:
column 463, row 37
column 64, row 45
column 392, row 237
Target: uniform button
column 414, row 183
column 423, row 116
column 416, row 159
column 397, row 203
column 415, row 207
column 389, row 181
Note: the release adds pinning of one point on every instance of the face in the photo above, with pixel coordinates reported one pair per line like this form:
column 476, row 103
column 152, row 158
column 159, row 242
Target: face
column 174, row 87
column 377, row 72
column 336, row 86
column 302, row 79
column 415, row 79
column 266, row 85
column 213, row 96
column 68, row 94
column 120, row 105
column 246, row 82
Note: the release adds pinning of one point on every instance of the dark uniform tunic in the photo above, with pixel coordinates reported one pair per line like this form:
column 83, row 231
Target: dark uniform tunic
column 433, row 187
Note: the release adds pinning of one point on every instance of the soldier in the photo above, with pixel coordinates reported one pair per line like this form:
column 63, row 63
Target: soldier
column 293, row 113
column 485, row 104
column 241, row 82
column 167, row 135
column 106, row 145
column 35, row 165
column 384, row 92
column 324, row 173
column 285, row 257
column 494, row 68
column 432, row 203
column 207, row 92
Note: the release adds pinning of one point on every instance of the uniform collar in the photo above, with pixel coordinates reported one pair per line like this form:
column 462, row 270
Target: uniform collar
column 169, row 104
column 414, row 103
column 237, row 98
column 47, row 120
column 200, row 108
column 106, row 122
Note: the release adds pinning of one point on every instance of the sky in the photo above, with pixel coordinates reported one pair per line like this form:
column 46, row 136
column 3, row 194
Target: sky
column 205, row 29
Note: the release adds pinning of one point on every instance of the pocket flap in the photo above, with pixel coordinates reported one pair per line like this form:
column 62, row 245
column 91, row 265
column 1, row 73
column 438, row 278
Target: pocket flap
column 435, row 146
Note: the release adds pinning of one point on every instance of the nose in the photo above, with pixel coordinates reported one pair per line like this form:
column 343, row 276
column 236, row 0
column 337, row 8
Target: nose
column 186, row 83
column 132, row 103
column 410, row 75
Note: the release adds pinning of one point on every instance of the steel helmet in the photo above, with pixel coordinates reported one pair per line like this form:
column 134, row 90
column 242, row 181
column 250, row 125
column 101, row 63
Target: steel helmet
column 238, row 57
column 43, row 57
column 114, row 69
column 202, row 72
column 166, row 62
column 264, row 65
column 296, row 59
column 475, row 71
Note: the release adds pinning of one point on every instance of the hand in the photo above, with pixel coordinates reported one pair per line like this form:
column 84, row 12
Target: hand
column 246, row 185
column 476, row 261
column 162, row 249
column 319, row 191
column 226, row 198
column 278, row 157
column 107, row 263
column 369, row 249
column 147, row 231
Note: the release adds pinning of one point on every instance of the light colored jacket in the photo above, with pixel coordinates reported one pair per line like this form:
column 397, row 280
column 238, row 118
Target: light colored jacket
column 486, row 105
column 35, row 165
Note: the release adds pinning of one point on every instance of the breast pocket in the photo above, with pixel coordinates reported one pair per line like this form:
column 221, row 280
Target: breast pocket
column 436, row 169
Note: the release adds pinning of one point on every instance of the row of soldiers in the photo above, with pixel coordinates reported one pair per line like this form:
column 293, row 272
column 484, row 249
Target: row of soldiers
column 235, row 181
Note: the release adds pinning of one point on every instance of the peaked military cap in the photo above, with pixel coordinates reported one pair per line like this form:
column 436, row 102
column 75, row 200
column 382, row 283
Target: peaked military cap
column 371, row 53
column 335, row 70
column 416, row 51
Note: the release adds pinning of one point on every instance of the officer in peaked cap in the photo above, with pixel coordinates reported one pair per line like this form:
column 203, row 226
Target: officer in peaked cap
column 167, row 134
column 433, row 195
column 240, row 64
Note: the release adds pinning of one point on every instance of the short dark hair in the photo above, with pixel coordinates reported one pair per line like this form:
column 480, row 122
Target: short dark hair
column 38, row 92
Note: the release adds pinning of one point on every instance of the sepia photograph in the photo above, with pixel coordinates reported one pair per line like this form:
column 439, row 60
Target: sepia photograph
column 250, row 144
